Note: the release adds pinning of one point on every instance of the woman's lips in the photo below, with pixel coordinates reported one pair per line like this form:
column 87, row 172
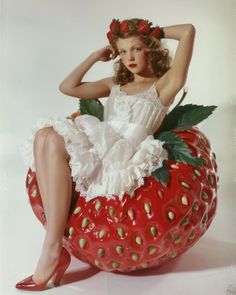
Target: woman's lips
column 132, row 65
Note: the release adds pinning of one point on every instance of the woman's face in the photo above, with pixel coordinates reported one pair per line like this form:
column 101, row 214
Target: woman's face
column 132, row 52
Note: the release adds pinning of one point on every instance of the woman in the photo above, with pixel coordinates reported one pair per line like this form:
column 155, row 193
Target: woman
column 113, row 156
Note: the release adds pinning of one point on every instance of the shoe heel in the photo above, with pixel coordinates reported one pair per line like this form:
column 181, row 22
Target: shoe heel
column 60, row 271
column 28, row 284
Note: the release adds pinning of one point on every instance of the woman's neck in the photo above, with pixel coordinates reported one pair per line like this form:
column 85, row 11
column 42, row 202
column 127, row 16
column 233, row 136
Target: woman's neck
column 144, row 80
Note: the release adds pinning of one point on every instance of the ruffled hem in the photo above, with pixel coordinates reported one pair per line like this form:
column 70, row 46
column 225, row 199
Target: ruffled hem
column 117, row 180
column 102, row 162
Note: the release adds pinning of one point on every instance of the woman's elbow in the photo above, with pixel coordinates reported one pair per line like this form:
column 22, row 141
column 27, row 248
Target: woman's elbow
column 63, row 89
column 191, row 29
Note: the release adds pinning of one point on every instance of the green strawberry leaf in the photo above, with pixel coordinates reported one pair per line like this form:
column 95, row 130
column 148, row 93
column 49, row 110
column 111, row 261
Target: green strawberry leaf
column 186, row 116
column 177, row 149
column 91, row 107
column 162, row 174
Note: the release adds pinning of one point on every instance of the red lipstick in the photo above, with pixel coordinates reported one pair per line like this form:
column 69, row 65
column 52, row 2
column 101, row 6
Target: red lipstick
column 132, row 65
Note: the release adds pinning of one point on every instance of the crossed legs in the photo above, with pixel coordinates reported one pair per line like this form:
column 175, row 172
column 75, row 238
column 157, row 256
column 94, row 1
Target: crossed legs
column 55, row 184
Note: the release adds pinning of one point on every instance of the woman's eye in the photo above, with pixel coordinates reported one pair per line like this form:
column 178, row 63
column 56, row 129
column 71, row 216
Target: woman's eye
column 138, row 48
column 121, row 52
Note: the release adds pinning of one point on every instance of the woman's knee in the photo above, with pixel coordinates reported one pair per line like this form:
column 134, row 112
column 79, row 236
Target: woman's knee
column 55, row 144
column 41, row 135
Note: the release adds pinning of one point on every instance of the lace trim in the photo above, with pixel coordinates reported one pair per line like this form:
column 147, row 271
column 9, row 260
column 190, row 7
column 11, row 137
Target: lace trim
column 154, row 97
column 127, row 179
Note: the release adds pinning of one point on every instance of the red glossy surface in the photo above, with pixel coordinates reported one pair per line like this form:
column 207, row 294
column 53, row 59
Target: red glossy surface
column 29, row 284
column 156, row 225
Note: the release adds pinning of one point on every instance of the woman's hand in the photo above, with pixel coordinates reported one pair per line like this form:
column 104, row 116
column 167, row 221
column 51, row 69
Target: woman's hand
column 73, row 116
column 106, row 53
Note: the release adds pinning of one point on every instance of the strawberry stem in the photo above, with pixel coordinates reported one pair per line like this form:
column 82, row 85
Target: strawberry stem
column 182, row 98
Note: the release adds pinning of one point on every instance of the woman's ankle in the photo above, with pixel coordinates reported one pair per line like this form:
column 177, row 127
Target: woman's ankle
column 52, row 248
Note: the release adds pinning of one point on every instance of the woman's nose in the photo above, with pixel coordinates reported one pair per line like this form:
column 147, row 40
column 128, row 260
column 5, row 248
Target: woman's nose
column 130, row 56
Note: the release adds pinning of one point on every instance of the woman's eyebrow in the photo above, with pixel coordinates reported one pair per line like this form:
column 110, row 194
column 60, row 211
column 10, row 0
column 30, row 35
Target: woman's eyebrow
column 131, row 46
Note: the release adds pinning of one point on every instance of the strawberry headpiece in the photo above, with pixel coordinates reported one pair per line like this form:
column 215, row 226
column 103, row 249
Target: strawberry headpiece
column 139, row 26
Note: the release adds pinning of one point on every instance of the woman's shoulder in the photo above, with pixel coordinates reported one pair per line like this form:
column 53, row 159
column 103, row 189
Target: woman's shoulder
column 110, row 82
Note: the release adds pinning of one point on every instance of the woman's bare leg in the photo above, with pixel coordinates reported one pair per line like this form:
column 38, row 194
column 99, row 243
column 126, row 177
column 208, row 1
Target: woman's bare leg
column 54, row 180
column 40, row 160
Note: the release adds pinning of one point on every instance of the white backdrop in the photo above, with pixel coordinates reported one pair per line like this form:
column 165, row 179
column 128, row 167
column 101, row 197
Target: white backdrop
column 44, row 40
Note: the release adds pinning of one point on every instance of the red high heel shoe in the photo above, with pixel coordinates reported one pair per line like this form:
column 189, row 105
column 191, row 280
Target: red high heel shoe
column 56, row 276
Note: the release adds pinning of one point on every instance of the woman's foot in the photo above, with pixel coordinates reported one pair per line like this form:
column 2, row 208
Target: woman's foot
column 47, row 263
column 54, row 271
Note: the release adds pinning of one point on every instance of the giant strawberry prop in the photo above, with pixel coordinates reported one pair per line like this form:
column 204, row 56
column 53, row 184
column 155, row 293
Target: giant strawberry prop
column 165, row 217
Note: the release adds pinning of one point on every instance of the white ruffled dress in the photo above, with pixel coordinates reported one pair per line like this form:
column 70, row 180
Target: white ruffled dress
column 110, row 157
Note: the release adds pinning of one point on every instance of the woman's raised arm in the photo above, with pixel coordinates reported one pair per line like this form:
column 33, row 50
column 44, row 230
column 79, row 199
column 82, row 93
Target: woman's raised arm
column 185, row 34
column 174, row 79
column 72, row 85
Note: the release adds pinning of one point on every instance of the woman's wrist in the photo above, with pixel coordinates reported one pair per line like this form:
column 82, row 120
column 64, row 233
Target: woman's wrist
column 177, row 31
column 94, row 57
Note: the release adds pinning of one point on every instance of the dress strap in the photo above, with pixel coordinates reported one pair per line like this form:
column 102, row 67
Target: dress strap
column 114, row 90
column 165, row 108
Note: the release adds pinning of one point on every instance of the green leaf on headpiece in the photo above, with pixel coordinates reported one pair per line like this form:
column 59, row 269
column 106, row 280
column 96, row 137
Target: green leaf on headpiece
column 131, row 26
column 91, row 107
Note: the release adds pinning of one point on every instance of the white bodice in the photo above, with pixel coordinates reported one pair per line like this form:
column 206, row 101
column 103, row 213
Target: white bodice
column 144, row 109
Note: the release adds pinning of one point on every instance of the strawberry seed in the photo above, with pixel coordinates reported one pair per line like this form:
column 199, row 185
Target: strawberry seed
column 101, row 252
column 115, row 264
column 96, row 262
column 77, row 210
column 144, row 265
column 111, row 211
column 153, row 230
column 171, row 215
column 184, row 184
column 119, row 249
column 177, row 240
column 135, row 256
column 152, row 250
column 85, row 222
column 197, row 172
column 131, row 214
column 82, row 243
column 98, row 205
column 139, row 240
column 184, row 200
column 195, row 207
column 102, row 233
column 71, row 231
column 120, row 232
column 147, row 208
column 204, row 196
column 34, row 193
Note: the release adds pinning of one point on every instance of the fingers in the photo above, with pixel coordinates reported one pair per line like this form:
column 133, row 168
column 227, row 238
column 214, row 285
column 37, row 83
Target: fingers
column 73, row 116
column 113, row 52
column 107, row 53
